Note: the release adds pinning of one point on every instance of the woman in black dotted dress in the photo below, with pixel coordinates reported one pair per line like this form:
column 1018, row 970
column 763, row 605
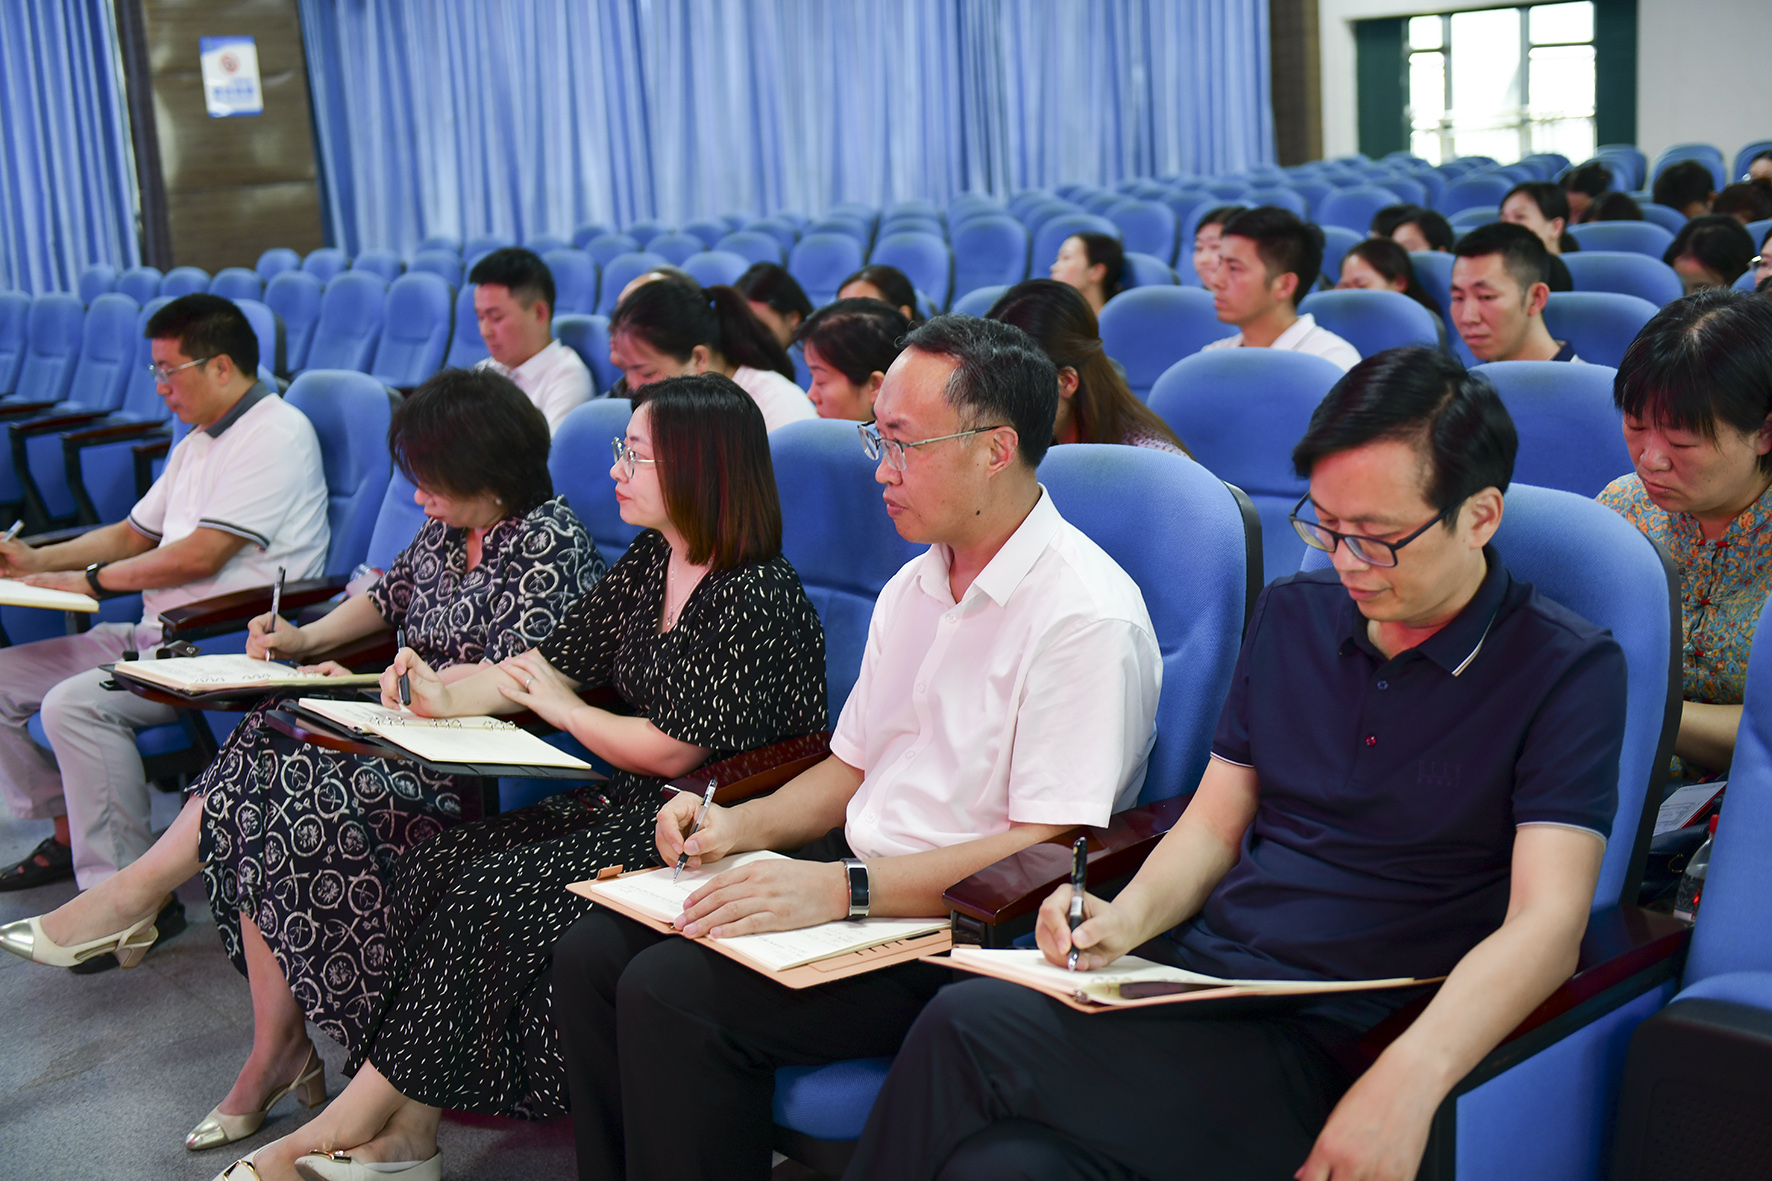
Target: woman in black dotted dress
column 705, row 632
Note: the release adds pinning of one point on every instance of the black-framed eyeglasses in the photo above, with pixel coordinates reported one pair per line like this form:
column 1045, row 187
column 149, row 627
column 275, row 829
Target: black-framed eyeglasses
column 876, row 444
column 1370, row 550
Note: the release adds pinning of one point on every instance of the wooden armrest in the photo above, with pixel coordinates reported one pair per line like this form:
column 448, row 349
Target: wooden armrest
column 54, row 423
column 154, row 448
column 1016, row 885
column 225, row 613
column 116, row 432
column 11, row 409
column 757, row 771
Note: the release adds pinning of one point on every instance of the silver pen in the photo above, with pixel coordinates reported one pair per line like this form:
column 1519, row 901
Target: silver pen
column 701, row 814
column 1079, row 885
column 12, row 533
column 276, row 606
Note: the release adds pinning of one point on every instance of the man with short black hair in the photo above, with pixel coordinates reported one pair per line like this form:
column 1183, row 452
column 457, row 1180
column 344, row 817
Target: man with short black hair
column 1414, row 775
column 1008, row 691
column 1268, row 259
column 1498, row 296
column 1385, row 222
column 514, row 303
column 242, row 494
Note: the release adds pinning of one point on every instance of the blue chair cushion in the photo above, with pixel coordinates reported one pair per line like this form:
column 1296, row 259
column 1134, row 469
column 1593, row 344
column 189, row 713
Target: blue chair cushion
column 828, row 1102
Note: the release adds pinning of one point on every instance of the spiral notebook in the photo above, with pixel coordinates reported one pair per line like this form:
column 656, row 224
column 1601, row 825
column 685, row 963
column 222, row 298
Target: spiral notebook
column 219, row 674
column 482, row 741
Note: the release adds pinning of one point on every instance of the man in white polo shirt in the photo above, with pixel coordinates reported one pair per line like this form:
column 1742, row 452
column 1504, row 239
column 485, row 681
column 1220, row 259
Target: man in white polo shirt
column 1008, row 692
column 1268, row 260
column 514, row 302
column 242, row 494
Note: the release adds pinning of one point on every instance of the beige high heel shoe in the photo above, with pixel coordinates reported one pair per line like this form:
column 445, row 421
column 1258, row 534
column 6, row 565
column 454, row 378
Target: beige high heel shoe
column 219, row 1128
column 25, row 938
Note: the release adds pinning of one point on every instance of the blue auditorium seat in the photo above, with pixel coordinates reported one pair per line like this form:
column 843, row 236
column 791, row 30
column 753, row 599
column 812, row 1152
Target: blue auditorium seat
column 575, row 281
column 445, row 242
column 1630, row 167
column 1373, row 321
column 621, row 270
column 96, row 280
column 1151, row 328
column 914, row 206
column 716, row 268
column 820, row 262
column 1407, row 188
column 735, row 221
column 1473, row 191
column 15, row 310
column 101, row 466
column 647, row 229
column 858, row 211
column 184, row 281
column 708, row 230
column 1147, row 227
column 274, row 262
column 350, row 412
column 1668, row 219
column 979, row 300
column 1433, row 270
column 52, row 348
column 1240, row 411
column 1746, row 156
column 397, row 522
column 591, row 229
column 1600, row 324
column 1145, row 270
column 753, row 246
column 581, row 473
column 542, row 243
column 990, row 250
column 1470, row 218
column 350, row 323
column 1043, row 211
column 1051, row 234
column 415, row 331
column 484, row 244
column 295, row 296
column 1757, row 230
column 1352, row 209
column 1571, row 434
column 784, row 232
column 1337, row 241
column 236, row 283
column 588, row 336
column 265, row 326
column 1312, row 190
column 325, row 263
column 861, row 232
column 925, row 260
column 445, row 264
column 1705, row 154
column 1642, row 237
column 385, row 263
column 140, row 283
column 674, row 247
column 1625, row 272
column 467, row 347
column 1284, row 198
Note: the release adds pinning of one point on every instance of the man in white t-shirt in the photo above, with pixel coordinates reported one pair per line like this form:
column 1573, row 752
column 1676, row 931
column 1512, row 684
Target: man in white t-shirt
column 1499, row 293
column 1267, row 260
column 514, row 303
column 242, row 494
column 1007, row 692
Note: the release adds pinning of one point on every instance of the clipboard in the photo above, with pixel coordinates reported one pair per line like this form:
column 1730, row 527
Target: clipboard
column 837, row 967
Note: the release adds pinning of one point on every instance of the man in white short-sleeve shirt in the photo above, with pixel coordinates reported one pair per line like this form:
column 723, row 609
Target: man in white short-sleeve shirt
column 514, row 303
column 1008, row 692
column 242, row 494
column 1268, row 260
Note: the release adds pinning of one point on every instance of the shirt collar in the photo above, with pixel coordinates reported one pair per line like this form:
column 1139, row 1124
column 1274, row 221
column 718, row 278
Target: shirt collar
column 258, row 392
column 1301, row 328
column 1011, row 563
column 1457, row 644
column 539, row 362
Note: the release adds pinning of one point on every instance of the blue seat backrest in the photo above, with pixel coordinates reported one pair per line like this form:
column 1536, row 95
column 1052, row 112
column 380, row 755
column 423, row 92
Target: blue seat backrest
column 1641, row 237
column 467, row 347
column 295, row 296
column 588, row 336
column 605, row 248
column 325, row 263
column 579, row 462
column 646, row 229
column 1051, row 234
column 1352, row 209
column 351, row 314
column 708, row 230
column 785, row 232
column 1433, row 270
column 753, row 246
column 397, row 522
column 575, row 281
column 1149, row 329
column 1469, row 191
column 990, row 250
column 713, row 268
column 978, row 301
column 1373, row 321
column 589, row 230
column 275, row 261
column 1625, row 272
column 484, row 244
column 1148, row 227
column 839, row 537
column 1284, row 198
column 15, row 311
column 1667, row 218
column 350, row 412
column 95, row 280
column 140, row 283
column 445, row 264
column 237, row 283
column 385, row 263
column 1600, row 324
column 1241, row 411
column 184, row 281
column 415, row 332
column 675, row 247
column 923, row 257
column 1571, row 435
column 1337, row 241
column 622, row 270
column 1196, row 603
column 141, row 395
column 107, row 346
column 266, row 327
column 445, row 242
column 543, row 243
column 1145, row 270
column 820, row 262
column 52, row 347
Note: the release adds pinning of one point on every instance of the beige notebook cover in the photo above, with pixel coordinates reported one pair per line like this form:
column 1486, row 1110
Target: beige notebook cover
column 14, row 593
column 215, row 674
column 475, row 740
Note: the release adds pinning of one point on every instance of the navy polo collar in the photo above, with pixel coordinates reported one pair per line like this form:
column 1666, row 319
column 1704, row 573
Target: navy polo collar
column 1454, row 646
column 258, row 392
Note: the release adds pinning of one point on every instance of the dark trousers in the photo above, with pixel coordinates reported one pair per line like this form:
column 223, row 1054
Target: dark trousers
column 1001, row 1082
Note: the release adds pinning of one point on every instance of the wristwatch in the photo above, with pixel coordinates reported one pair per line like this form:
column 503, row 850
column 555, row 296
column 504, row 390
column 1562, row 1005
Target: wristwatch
column 98, row 592
column 858, row 887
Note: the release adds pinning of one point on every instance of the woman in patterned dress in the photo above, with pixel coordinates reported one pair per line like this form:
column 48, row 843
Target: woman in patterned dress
column 1696, row 391
column 704, row 631
column 296, row 848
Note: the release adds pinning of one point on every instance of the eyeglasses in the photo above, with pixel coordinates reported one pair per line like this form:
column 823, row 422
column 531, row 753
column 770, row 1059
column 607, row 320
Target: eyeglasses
column 876, row 444
column 625, row 456
column 1369, row 550
column 162, row 373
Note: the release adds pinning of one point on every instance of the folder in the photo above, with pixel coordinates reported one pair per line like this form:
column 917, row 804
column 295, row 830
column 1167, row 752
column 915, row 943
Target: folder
column 472, row 741
column 14, row 593
column 202, row 675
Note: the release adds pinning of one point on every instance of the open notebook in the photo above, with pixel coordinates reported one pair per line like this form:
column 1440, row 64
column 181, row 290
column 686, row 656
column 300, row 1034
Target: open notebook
column 479, row 741
column 651, row 895
column 215, row 674
column 1131, row 981
column 14, row 593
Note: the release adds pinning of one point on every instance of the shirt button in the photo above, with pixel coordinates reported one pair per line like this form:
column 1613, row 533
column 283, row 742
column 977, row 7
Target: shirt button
column 1371, row 740
column 1384, row 684
column 920, row 686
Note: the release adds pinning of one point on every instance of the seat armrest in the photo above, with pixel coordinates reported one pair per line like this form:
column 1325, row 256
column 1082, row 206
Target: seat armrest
column 756, row 771
column 1015, row 886
column 145, row 454
column 230, row 612
column 115, row 432
column 54, row 423
column 10, row 409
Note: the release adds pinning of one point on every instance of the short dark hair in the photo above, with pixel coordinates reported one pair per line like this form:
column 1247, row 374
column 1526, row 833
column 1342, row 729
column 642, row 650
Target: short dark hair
column 1703, row 359
column 1433, row 226
column 1551, row 200
column 769, row 283
column 1683, row 184
column 1107, row 252
column 1392, row 262
column 1385, row 222
column 856, row 337
column 467, row 432
column 672, row 317
column 520, row 270
column 890, row 282
column 1217, row 216
column 1614, row 206
column 1285, row 242
column 1745, row 200
column 208, row 326
column 1001, row 376
column 1522, row 252
column 1450, row 415
column 714, row 469
column 1718, row 242
column 1592, row 178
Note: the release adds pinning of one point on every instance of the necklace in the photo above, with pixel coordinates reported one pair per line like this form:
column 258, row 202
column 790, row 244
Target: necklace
column 674, row 603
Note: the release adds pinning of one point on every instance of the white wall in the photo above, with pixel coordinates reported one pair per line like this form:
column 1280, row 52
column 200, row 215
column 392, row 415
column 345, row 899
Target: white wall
column 1702, row 69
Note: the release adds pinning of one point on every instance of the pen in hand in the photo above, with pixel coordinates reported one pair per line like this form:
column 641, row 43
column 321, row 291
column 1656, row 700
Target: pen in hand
column 276, row 606
column 405, row 685
column 12, row 533
column 1079, row 883
column 700, row 815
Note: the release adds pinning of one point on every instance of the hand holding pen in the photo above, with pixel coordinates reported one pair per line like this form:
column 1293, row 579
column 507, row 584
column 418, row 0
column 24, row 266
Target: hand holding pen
column 276, row 608
column 1079, row 885
column 405, row 685
column 700, row 815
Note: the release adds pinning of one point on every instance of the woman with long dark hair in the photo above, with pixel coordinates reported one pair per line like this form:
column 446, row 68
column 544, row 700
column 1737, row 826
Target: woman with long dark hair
column 849, row 347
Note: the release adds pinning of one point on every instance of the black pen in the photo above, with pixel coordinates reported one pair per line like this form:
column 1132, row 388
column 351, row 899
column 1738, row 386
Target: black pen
column 700, row 814
column 405, row 687
column 276, row 606
column 1079, row 883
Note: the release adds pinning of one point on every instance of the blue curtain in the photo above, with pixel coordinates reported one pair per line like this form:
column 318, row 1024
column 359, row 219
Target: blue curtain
column 519, row 117
column 67, row 190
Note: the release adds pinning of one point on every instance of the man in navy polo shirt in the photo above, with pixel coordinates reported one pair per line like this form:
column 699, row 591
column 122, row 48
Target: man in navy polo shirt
column 1414, row 775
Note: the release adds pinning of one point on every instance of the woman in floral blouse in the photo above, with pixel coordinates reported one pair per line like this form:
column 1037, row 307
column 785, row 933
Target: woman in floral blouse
column 1696, row 391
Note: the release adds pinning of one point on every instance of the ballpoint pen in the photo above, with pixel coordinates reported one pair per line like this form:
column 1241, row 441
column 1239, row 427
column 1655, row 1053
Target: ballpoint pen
column 405, row 685
column 13, row 532
column 276, row 606
column 700, row 815
column 1079, row 883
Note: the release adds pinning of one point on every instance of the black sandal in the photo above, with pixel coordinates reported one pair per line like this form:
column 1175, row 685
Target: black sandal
column 30, row 872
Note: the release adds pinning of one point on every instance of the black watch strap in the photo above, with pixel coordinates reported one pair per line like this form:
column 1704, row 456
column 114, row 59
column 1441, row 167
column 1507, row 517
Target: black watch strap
column 98, row 592
column 858, row 887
